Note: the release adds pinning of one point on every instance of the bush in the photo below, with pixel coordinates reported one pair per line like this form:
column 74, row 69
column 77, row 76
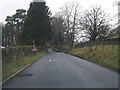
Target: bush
column 11, row 54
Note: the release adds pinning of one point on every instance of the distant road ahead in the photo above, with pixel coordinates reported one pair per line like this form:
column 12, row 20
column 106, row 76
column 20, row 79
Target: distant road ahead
column 59, row 70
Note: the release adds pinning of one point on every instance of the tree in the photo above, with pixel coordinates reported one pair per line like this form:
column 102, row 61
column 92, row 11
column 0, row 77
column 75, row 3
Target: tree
column 14, row 27
column 19, row 19
column 70, row 13
column 58, row 30
column 1, row 28
column 37, row 25
column 95, row 24
column 114, row 33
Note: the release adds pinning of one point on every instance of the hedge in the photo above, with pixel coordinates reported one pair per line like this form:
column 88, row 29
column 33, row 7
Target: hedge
column 10, row 54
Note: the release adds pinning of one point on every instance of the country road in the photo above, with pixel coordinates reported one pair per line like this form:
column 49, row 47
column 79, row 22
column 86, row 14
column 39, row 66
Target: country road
column 60, row 70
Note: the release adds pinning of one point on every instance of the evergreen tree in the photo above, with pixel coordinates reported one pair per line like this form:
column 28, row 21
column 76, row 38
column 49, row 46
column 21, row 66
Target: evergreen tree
column 13, row 28
column 37, row 25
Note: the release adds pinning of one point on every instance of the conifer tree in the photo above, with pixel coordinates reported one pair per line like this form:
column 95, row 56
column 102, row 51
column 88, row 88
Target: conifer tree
column 37, row 25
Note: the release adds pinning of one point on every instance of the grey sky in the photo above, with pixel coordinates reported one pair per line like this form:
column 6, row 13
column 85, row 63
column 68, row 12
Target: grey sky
column 8, row 7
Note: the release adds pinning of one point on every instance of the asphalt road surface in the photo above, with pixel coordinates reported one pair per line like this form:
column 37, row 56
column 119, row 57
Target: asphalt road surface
column 59, row 70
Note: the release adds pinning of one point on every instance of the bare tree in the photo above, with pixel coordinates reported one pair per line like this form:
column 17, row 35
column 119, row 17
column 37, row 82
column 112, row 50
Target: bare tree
column 70, row 13
column 57, row 27
column 95, row 23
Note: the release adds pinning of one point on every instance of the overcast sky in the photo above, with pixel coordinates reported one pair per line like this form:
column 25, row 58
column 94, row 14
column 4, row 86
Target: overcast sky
column 8, row 7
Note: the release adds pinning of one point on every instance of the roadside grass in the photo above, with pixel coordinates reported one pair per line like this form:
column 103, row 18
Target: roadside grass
column 115, row 36
column 10, row 69
column 106, row 55
column 64, row 48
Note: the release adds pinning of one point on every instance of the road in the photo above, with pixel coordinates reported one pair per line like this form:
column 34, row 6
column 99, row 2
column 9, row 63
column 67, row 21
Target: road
column 60, row 70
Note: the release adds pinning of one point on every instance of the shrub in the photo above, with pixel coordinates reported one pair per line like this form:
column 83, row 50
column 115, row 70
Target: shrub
column 10, row 54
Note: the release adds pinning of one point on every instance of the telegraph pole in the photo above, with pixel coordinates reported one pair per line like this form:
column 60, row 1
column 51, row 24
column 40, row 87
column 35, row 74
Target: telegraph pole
column 33, row 43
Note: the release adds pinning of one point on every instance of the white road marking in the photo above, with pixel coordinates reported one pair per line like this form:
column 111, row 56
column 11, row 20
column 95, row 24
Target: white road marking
column 50, row 60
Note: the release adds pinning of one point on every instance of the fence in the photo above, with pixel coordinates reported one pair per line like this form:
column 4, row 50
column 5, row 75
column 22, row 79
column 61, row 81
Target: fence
column 99, row 42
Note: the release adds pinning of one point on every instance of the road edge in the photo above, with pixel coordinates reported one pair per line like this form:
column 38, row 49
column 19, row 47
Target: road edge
column 16, row 73
column 20, row 71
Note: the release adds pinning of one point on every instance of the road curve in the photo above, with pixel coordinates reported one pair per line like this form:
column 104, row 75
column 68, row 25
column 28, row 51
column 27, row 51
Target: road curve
column 59, row 70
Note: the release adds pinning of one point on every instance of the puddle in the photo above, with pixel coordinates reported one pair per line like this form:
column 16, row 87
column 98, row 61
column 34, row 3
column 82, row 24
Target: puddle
column 25, row 75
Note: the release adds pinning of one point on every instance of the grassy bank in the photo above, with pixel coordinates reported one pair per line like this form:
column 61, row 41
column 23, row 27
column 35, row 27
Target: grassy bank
column 104, row 55
column 10, row 69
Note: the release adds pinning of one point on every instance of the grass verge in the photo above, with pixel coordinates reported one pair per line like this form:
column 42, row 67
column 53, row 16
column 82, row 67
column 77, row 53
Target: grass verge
column 103, row 55
column 10, row 69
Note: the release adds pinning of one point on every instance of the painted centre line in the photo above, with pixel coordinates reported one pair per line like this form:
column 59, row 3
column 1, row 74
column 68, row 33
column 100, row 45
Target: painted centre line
column 51, row 60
